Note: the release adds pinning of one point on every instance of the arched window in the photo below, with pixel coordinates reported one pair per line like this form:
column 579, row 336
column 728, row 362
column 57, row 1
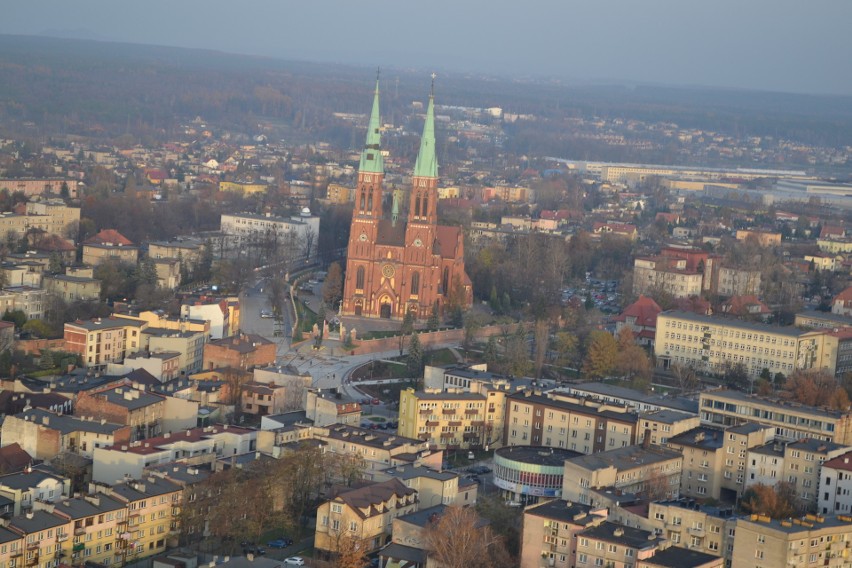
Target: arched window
column 415, row 283
column 362, row 200
column 359, row 278
column 370, row 202
column 445, row 281
column 425, row 205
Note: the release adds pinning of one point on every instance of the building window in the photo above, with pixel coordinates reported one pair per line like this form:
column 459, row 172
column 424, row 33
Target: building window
column 415, row 283
column 359, row 278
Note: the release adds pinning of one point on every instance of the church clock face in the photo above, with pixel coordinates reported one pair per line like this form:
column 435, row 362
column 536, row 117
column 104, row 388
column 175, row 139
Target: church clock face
column 387, row 271
column 418, row 243
column 362, row 237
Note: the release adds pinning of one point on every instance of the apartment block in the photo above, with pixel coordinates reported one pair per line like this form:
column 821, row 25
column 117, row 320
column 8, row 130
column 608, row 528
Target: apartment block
column 189, row 345
column 95, row 522
column 102, row 341
column 835, row 487
column 549, row 533
column 433, row 486
column 611, row 544
column 792, row 421
column 109, row 245
column 713, row 345
column 738, row 282
column 242, row 351
column 448, row 419
column 670, row 275
column 33, row 485
column 685, row 522
column 326, row 408
column 72, row 288
column 559, row 420
column 650, row 471
column 714, row 460
column 803, row 460
column 761, row 542
column 662, row 425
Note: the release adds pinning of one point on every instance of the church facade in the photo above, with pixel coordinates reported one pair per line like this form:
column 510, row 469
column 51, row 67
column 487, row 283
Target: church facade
column 394, row 267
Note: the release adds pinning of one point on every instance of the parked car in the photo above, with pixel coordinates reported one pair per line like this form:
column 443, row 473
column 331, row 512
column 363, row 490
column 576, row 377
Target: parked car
column 279, row 543
column 294, row 561
column 375, row 401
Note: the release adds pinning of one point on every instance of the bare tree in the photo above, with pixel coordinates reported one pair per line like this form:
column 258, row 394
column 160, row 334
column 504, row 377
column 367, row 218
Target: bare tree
column 685, row 377
column 459, row 539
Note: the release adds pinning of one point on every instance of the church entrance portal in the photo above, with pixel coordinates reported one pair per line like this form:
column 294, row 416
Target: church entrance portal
column 385, row 311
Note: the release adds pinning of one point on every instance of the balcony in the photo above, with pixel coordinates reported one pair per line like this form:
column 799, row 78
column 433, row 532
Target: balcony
column 78, row 547
column 32, row 561
column 695, row 531
column 448, row 411
column 78, row 531
column 33, row 545
column 673, row 527
column 62, row 537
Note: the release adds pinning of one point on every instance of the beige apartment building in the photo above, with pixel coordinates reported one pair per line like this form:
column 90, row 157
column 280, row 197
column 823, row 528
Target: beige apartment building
column 611, row 544
column 549, row 533
column 433, row 487
column 559, row 420
column 364, row 514
column 792, row 421
column 686, row 523
column 651, row 471
column 738, row 282
column 103, row 340
column 713, row 345
column 189, row 345
column 325, row 408
column 714, row 460
column 449, row 419
column 664, row 424
column 761, row 542
column 671, row 275
column 72, row 288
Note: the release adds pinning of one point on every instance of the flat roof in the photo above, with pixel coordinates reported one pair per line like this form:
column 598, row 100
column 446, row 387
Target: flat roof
column 539, row 455
column 791, row 331
column 566, row 511
column 624, row 458
column 774, row 403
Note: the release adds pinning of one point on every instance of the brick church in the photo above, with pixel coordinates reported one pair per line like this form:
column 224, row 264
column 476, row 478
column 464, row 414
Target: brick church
column 395, row 267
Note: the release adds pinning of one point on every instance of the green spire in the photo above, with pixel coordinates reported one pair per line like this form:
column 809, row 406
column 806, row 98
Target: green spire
column 371, row 155
column 427, row 163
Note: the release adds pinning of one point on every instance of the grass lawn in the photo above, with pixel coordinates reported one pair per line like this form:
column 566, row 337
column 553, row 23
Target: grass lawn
column 440, row 357
column 381, row 370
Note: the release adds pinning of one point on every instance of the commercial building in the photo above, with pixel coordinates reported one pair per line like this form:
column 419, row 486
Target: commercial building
column 526, row 474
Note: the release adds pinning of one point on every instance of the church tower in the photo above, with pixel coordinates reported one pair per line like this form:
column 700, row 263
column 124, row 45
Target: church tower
column 364, row 230
column 423, row 204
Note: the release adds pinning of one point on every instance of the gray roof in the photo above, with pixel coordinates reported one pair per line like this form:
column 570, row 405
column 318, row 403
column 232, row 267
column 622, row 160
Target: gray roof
column 538, row 455
column 565, row 511
column 816, row 446
column 702, row 437
column 606, row 389
column 677, row 557
column 141, row 398
column 8, row 536
column 422, row 517
column 780, row 404
column 774, row 449
column 620, row 534
column 409, row 554
column 137, row 490
column 665, row 415
column 791, row 331
column 67, row 424
column 409, row 471
column 181, row 473
column 36, row 521
column 374, row 438
column 80, row 507
column 527, row 396
column 624, row 458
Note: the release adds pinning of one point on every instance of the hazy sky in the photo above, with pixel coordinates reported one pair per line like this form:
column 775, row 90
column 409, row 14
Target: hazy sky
column 783, row 45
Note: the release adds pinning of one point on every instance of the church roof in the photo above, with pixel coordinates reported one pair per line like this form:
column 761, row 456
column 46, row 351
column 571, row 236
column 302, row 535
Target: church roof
column 371, row 156
column 390, row 234
column 427, row 162
column 446, row 241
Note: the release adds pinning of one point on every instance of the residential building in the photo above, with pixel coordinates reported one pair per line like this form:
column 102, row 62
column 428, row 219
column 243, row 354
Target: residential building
column 187, row 250
column 842, row 303
column 549, row 533
column 670, row 275
column 714, row 460
column 217, row 311
column 611, row 544
column 738, row 282
column 640, row 317
column 163, row 365
column 153, row 509
column 761, row 542
column 148, row 414
column 44, row 435
column 652, row 471
column 102, row 341
column 713, row 345
column 189, row 345
column 46, row 536
column 632, row 398
column 763, row 238
column 35, row 484
column 168, row 272
column 364, row 514
column 803, row 461
column 677, row 557
column 792, row 421
column 262, row 399
column 194, row 446
column 242, row 351
column 686, row 522
column 765, row 464
column 835, row 486
column 662, row 425
column 72, row 288
column 433, row 486
column 109, row 244
column 31, row 301
column 95, row 534
column 559, row 420
column 446, row 419
column 327, row 408
column 822, row 320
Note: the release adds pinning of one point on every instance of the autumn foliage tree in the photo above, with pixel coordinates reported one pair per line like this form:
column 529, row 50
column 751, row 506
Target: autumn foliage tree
column 632, row 362
column 816, row 389
column 779, row 501
column 601, row 355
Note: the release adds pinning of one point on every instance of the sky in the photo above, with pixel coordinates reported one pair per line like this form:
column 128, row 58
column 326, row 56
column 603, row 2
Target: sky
column 776, row 45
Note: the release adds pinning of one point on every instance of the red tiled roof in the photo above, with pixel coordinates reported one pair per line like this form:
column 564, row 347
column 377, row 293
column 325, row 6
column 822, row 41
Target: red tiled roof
column 448, row 238
column 843, row 462
column 844, row 296
column 739, row 305
column 645, row 310
column 109, row 237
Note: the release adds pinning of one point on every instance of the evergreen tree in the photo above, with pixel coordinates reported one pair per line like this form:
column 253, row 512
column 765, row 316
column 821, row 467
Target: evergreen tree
column 415, row 355
column 434, row 320
column 491, row 355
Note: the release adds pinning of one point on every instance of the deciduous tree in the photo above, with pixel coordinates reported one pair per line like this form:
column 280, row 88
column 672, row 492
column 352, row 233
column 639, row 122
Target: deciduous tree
column 601, row 356
column 458, row 539
column 778, row 502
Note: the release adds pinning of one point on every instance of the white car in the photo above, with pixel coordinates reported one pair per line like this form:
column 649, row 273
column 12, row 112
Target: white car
column 295, row 561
